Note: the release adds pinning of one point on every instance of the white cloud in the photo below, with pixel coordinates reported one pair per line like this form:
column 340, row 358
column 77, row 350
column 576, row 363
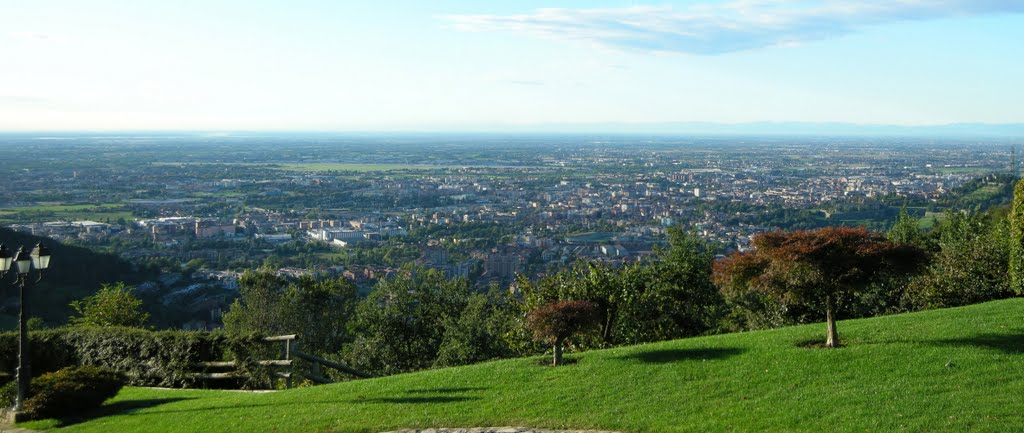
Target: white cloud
column 727, row 27
column 38, row 37
column 31, row 35
column 22, row 100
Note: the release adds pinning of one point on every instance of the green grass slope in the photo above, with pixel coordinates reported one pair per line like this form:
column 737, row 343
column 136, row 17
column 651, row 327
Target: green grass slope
column 958, row 369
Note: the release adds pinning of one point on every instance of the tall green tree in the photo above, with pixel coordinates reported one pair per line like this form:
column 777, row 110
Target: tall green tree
column 670, row 297
column 970, row 265
column 824, row 267
column 401, row 325
column 684, row 278
column 905, row 230
column 1016, row 258
column 318, row 311
column 112, row 305
column 484, row 330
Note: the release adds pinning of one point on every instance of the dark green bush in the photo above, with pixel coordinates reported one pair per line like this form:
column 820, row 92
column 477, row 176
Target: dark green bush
column 146, row 358
column 71, row 390
column 163, row 358
column 49, row 351
column 8, row 393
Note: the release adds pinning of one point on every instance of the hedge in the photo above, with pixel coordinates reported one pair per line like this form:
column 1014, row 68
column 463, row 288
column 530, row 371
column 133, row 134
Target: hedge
column 146, row 358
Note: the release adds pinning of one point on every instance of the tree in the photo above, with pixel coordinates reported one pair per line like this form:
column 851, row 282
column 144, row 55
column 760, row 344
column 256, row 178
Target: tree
column 481, row 332
column 1016, row 259
column 554, row 323
column 672, row 297
column 317, row 310
column 970, row 265
column 822, row 267
column 400, row 326
column 905, row 229
column 112, row 305
column 690, row 297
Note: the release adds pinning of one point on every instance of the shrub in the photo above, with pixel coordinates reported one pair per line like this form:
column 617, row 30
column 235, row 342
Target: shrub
column 112, row 305
column 975, row 251
column 8, row 393
column 146, row 358
column 71, row 390
column 559, row 321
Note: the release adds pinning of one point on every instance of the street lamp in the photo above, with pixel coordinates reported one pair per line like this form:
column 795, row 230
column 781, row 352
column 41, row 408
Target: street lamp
column 24, row 261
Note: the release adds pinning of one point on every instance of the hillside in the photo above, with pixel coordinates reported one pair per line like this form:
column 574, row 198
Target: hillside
column 957, row 369
column 75, row 272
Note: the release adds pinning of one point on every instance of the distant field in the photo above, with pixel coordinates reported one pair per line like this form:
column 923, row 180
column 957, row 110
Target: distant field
column 930, row 219
column 58, row 211
column 968, row 170
column 953, row 370
column 592, row 237
column 984, row 193
column 324, row 166
column 362, row 167
column 353, row 167
column 57, row 207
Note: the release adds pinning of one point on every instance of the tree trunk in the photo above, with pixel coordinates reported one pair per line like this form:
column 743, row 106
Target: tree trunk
column 606, row 333
column 558, row 353
column 832, row 338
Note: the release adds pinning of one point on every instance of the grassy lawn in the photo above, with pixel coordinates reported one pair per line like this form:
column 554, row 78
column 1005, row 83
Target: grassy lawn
column 945, row 370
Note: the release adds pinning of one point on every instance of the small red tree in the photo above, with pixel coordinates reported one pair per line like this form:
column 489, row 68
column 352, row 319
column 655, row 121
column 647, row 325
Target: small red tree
column 556, row 322
column 820, row 266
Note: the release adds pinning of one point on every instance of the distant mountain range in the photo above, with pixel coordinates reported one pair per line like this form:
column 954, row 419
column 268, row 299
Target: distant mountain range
column 952, row 130
column 1005, row 130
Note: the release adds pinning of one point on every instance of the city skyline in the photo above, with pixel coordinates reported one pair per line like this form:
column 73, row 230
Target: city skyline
column 488, row 66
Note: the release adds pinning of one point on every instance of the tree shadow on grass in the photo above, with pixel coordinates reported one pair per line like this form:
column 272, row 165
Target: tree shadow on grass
column 1012, row 344
column 545, row 361
column 444, row 390
column 138, row 404
column 115, row 408
column 664, row 356
column 416, row 400
column 817, row 343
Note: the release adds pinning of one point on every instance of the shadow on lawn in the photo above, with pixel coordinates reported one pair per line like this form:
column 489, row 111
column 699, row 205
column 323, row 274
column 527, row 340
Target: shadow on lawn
column 674, row 355
column 416, row 400
column 116, row 408
column 358, row 400
column 445, row 390
column 1007, row 343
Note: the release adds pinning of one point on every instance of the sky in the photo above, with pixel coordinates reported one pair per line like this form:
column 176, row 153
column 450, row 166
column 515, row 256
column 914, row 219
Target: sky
column 445, row 65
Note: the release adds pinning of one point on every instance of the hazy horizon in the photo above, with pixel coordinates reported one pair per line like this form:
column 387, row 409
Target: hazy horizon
column 456, row 65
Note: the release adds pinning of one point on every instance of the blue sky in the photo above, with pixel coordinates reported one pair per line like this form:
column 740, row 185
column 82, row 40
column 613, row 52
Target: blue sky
column 480, row 65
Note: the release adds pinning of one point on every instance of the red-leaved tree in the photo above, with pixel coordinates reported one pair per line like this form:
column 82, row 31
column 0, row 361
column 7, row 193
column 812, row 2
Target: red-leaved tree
column 815, row 267
column 556, row 322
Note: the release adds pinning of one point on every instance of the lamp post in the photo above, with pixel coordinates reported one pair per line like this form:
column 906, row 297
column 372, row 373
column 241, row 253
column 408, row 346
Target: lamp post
column 24, row 262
